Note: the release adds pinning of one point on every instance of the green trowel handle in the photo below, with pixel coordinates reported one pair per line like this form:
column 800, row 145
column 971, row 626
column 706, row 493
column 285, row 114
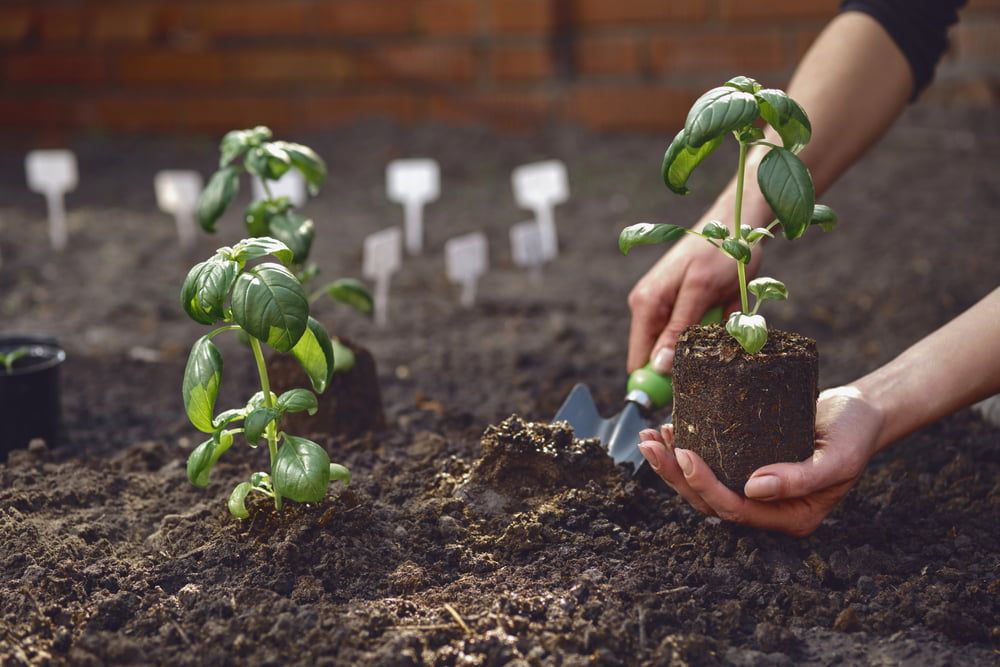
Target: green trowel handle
column 660, row 388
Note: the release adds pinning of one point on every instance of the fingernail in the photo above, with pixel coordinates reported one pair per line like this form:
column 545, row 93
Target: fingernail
column 648, row 434
column 762, row 488
column 649, row 453
column 684, row 461
column 663, row 361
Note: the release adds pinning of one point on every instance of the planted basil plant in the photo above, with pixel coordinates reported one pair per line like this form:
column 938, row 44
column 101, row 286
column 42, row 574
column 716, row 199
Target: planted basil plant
column 238, row 290
column 740, row 108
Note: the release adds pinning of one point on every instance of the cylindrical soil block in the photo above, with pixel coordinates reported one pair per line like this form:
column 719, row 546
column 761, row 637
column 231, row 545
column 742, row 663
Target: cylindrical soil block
column 350, row 406
column 741, row 411
column 30, row 405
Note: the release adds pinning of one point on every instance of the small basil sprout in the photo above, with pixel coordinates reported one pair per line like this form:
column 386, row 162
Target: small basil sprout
column 736, row 108
column 11, row 357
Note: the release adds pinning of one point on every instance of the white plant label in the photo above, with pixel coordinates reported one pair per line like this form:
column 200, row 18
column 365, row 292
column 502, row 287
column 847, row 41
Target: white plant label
column 526, row 247
column 383, row 255
column 292, row 185
column 177, row 193
column 467, row 257
column 53, row 173
column 540, row 187
column 414, row 183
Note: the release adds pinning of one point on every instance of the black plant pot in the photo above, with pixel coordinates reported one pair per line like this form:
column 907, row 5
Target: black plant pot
column 30, row 404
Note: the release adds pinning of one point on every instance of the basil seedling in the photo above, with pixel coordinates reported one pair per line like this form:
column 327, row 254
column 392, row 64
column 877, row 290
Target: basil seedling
column 8, row 359
column 252, row 151
column 266, row 302
column 738, row 108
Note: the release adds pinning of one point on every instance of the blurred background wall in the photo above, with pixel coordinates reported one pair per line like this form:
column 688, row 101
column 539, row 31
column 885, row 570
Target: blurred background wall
column 210, row 65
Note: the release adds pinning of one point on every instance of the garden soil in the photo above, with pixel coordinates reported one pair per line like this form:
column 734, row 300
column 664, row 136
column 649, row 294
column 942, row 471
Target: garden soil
column 474, row 533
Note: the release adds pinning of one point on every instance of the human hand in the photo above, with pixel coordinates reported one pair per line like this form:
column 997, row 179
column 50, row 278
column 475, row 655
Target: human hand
column 689, row 280
column 791, row 498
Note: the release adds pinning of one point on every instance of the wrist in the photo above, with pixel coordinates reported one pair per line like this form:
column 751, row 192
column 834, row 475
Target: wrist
column 876, row 390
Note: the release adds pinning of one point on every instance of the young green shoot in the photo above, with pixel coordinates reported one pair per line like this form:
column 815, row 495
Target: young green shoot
column 253, row 152
column 8, row 360
column 266, row 302
column 739, row 108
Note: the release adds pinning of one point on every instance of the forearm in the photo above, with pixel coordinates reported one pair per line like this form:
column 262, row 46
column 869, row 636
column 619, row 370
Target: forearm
column 853, row 83
column 953, row 367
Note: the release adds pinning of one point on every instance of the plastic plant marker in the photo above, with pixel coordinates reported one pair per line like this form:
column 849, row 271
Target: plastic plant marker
column 467, row 257
column 383, row 255
column 291, row 185
column 540, row 187
column 177, row 193
column 526, row 248
column 53, row 173
column 413, row 182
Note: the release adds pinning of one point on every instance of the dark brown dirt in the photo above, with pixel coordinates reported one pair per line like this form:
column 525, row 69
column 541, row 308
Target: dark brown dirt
column 738, row 411
column 351, row 405
column 109, row 556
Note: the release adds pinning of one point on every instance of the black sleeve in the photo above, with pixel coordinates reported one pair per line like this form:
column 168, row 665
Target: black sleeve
column 919, row 28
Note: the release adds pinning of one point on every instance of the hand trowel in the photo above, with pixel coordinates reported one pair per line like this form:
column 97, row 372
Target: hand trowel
column 647, row 391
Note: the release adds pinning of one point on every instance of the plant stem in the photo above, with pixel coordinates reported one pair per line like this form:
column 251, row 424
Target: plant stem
column 740, row 268
column 267, row 189
column 265, row 386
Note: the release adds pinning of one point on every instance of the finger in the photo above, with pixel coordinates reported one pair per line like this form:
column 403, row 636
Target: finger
column 667, row 433
column 650, row 434
column 693, row 301
column 647, row 320
column 825, row 468
column 795, row 517
column 665, row 465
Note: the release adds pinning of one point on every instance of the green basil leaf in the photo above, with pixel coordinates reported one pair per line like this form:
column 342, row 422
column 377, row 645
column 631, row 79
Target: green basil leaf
column 257, row 401
column 680, row 160
column 786, row 116
column 216, row 196
column 343, row 357
column 301, row 471
column 315, row 354
column 262, row 246
column 339, row 473
column 738, row 249
column 788, row 189
column 749, row 330
column 237, row 500
column 236, row 142
column 258, row 215
column 268, row 161
column 745, row 231
column 758, row 233
column 298, row 400
column 751, row 134
column 768, row 289
column 352, row 292
column 205, row 456
column 825, row 217
column 717, row 112
column 647, row 233
column 309, row 164
column 269, row 304
column 227, row 417
column 206, row 289
column 200, row 386
column 256, row 422
column 261, row 481
column 744, row 83
column 295, row 231
column 715, row 230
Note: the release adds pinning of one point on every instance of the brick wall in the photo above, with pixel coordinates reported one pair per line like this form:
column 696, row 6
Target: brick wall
column 208, row 65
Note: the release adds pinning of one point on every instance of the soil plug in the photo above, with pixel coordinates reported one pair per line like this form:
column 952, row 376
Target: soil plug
column 383, row 255
column 540, row 187
column 177, row 193
column 467, row 258
column 53, row 173
column 414, row 183
column 292, row 186
column 749, row 400
column 266, row 303
column 526, row 248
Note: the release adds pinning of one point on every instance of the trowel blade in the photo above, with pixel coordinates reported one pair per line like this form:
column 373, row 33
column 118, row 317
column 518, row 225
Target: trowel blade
column 619, row 434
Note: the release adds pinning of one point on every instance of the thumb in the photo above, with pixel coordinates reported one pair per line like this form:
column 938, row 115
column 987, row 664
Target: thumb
column 693, row 301
column 778, row 481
